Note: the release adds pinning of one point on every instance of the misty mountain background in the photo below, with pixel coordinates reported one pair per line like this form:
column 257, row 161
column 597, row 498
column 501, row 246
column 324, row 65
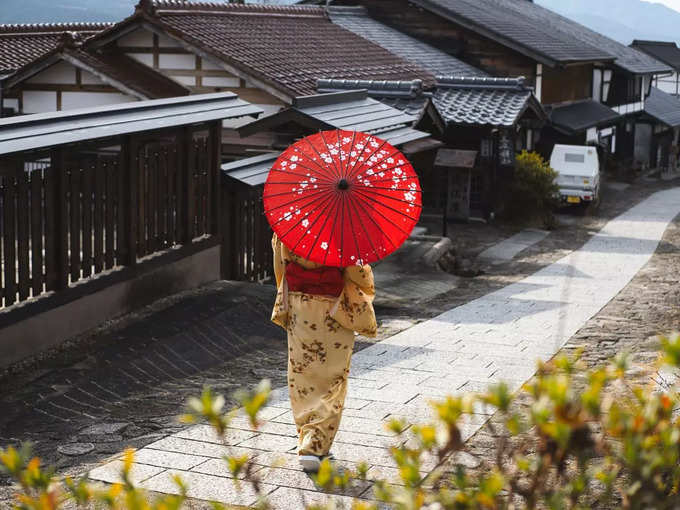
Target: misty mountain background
column 623, row 20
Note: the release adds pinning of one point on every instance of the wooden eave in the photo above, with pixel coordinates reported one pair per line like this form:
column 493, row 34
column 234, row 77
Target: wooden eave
column 289, row 115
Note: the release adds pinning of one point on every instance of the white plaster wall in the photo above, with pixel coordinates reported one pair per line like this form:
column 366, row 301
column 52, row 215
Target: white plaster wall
column 667, row 83
column 207, row 64
column 167, row 42
column 220, row 81
column 144, row 58
column 185, row 80
column 11, row 103
column 90, row 79
column 72, row 100
column 139, row 37
column 177, row 61
column 39, row 101
column 61, row 72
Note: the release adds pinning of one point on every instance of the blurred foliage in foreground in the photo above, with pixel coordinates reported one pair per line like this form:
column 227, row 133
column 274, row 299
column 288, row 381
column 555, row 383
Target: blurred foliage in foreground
column 599, row 443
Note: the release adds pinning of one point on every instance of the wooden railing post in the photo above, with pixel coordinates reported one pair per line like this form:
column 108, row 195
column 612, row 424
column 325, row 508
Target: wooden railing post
column 56, row 227
column 129, row 201
column 215, row 174
column 187, row 194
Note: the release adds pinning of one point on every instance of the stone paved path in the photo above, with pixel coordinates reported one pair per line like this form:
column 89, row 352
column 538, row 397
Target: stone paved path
column 509, row 248
column 496, row 337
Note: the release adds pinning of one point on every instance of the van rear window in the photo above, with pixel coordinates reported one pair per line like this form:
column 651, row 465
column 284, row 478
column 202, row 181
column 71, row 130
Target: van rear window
column 570, row 157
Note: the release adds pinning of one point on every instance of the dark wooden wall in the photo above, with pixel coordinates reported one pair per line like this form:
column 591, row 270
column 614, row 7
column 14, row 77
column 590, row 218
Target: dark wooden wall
column 567, row 84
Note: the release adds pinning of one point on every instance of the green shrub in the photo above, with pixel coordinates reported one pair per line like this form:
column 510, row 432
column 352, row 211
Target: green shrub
column 533, row 193
column 597, row 443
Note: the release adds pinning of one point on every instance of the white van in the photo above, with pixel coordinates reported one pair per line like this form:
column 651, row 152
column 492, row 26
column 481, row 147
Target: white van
column 578, row 170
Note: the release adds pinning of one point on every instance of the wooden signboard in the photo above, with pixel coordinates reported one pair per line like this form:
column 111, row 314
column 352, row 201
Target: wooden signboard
column 452, row 158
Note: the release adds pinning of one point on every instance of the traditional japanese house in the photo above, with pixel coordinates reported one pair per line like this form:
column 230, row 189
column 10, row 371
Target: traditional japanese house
column 659, row 128
column 483, row 123
column 73, row 76
column 350, row 110
column 566, row 63
column 669, row 54
column 267, row 54
column 22, row 44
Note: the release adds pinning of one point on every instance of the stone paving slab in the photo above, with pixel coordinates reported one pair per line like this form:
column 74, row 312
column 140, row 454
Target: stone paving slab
column 498, row 336
column 509, row 248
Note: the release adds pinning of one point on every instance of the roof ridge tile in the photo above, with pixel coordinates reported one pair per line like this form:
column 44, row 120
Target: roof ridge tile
column 219, row 7
column 27, row 28
column 403, row 88
column 481, row 82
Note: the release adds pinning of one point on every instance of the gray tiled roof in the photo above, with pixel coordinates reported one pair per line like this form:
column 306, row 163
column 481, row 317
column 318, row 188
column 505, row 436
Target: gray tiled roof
column 482, row 101
column 356, row 19
column 663, row 107
column 519, row 24
column 628, row 58
column 579, row 116
column 351, row 110
column 252, row 171
column 406, row 96
column 666, row 52
column 29, row 132
column 540, row 31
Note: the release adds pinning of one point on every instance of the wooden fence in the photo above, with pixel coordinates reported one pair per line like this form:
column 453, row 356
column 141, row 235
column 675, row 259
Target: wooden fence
column 75, row 212
column 246, row 243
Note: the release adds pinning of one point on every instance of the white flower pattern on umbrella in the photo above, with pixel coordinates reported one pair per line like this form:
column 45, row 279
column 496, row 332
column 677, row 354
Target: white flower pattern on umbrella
column 387, row 187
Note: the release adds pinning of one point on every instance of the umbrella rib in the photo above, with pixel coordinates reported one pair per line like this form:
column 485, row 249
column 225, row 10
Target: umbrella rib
column 351, row 148
column 291, row 192
column 391, row 179
column 288, row 172
column 342, row 230
column 378, row 170
column 363, row 151
column 306, row 139
column 323, row 225
column 333, row 160
column 366, row 232
column 359, row 190
column 340, row 152
column 293, row 201
column 387, row 206
column 387, row 219
column 323, row 170
column 305, row 216
column 354, row 168
column 396, row 151
column 396, row 189
column 335, row 220
column 356, row 243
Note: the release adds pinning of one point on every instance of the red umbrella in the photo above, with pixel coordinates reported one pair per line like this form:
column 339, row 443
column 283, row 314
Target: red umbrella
column 340, row 198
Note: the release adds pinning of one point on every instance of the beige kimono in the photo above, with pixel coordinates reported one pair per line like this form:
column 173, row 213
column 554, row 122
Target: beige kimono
column 320, row 341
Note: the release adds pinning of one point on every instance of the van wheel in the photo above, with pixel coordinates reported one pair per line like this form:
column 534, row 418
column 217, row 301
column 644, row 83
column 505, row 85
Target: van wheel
column 595, row 205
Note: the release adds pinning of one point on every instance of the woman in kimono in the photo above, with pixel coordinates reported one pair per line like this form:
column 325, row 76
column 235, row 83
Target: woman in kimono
column 320, row 307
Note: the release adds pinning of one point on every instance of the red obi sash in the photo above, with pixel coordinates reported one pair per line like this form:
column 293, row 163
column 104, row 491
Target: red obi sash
column 322, row 281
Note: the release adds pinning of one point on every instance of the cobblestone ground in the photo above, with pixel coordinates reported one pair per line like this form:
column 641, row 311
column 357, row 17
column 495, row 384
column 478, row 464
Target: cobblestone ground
column 496, row 337
column 44, row 401
column 648, row 307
